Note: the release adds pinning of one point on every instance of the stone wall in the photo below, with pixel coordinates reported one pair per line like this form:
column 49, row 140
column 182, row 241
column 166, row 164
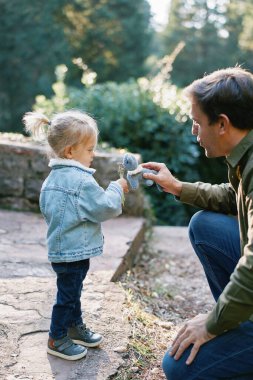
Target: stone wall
column 24, row 166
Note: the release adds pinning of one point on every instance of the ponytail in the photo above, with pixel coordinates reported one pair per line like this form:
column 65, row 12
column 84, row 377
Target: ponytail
column 36, row 124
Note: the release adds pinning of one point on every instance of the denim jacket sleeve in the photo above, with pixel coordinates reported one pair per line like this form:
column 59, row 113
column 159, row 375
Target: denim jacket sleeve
column 98, row 205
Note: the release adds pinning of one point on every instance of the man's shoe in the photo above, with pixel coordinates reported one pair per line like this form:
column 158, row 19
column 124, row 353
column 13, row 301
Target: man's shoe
column 65, row 348
column 84, row 336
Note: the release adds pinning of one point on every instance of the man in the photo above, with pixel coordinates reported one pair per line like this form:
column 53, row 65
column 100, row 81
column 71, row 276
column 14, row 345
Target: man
column 219, row 345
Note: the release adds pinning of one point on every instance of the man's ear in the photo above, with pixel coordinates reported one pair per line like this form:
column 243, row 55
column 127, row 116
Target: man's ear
column 224, row 124
column 68, row 152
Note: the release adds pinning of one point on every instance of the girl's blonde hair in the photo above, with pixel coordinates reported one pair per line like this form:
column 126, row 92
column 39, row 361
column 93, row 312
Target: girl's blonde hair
column 65, row 129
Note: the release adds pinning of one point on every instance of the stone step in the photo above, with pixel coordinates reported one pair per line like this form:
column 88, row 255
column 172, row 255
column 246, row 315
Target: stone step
column 23, row 249
column 27, row 292
column 25, row 310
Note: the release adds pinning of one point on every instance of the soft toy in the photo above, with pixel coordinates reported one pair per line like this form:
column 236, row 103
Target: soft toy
column 135, row 172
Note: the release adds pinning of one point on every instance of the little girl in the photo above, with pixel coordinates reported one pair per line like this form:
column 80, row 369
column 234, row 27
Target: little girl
column 73, row 205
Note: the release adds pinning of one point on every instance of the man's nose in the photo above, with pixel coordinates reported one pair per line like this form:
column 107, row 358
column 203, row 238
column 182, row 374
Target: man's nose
column 195, row 129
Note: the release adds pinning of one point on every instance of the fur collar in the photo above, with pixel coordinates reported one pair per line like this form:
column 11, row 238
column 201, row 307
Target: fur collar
column 67, row 162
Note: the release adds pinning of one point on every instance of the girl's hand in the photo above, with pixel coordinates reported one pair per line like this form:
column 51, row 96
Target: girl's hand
column 123, row 183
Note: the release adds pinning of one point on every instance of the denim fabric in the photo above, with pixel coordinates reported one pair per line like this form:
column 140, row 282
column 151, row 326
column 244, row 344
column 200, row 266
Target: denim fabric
column 215, row 239
column 74, row 205
column 67, row 309
column 228, row 356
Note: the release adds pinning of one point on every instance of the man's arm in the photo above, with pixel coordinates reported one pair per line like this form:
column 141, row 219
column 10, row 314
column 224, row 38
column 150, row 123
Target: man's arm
column 235, row 304
column 219, row 198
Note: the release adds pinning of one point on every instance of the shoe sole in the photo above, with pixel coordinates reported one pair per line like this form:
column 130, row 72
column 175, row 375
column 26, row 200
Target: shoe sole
column 85, row 344
column 66, row 357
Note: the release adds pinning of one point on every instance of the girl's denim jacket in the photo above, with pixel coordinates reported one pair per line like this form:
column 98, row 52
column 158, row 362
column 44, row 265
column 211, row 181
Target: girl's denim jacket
column 74, row 205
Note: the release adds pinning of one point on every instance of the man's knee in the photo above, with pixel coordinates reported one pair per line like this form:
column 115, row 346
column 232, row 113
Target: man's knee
column 171, row 368
column 198, row 223
column 204, row 225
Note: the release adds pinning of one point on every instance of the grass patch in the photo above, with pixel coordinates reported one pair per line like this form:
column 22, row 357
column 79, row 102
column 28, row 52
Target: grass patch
column 148, row 340
column 165, row 289
column 150, row 335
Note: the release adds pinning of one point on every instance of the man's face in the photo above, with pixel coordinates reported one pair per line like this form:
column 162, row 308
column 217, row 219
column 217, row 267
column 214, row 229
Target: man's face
column 207, row 134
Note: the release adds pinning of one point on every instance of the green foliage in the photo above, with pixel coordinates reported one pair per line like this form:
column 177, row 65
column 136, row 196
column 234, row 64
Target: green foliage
column 111, row 36
column 130, row 116
column 239, row 27
column 31, row 46
column 216, row 35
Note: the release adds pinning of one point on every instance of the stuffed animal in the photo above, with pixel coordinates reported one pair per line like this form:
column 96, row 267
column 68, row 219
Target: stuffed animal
column 135, row 172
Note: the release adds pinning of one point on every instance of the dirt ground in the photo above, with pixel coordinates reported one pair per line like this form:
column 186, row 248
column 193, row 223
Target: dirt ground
column 166, row 288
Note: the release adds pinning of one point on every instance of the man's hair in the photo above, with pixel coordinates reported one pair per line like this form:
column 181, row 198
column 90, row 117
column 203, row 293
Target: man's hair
column 228, row 91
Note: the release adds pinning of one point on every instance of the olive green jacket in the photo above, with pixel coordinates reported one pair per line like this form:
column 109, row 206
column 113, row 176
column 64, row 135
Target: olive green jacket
column 235, row 304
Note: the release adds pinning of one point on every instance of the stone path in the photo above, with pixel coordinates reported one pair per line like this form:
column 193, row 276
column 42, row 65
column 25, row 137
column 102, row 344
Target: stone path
column 27, row 291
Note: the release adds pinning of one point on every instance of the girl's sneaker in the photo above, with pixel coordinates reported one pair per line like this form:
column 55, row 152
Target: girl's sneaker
column 65, row 348
column 84, row 336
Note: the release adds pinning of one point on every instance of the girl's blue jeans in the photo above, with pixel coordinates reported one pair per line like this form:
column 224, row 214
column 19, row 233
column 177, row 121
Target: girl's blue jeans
column 215, row 239
column 67, row 309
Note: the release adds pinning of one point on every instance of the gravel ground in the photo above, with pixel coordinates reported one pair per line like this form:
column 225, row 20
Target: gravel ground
column 166, row 288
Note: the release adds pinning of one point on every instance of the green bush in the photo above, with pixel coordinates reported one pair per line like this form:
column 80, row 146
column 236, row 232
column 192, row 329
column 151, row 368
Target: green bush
column 129, row 117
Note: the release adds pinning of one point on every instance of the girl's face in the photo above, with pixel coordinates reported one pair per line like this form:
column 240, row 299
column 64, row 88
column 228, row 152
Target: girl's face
column 84, row 152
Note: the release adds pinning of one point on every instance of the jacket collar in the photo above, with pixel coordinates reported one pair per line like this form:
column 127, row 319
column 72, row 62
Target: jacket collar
column 66, row 162
column 240, row 149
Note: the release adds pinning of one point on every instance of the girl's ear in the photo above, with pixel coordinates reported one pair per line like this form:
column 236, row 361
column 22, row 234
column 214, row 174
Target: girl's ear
column 68, row 152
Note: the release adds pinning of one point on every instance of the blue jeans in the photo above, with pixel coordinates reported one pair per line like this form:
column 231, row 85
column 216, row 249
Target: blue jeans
column 67, row 309
column 215, row 239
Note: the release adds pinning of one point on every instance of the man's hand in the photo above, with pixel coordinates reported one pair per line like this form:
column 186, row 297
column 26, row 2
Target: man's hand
column 193, row 332
column 164, row 178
